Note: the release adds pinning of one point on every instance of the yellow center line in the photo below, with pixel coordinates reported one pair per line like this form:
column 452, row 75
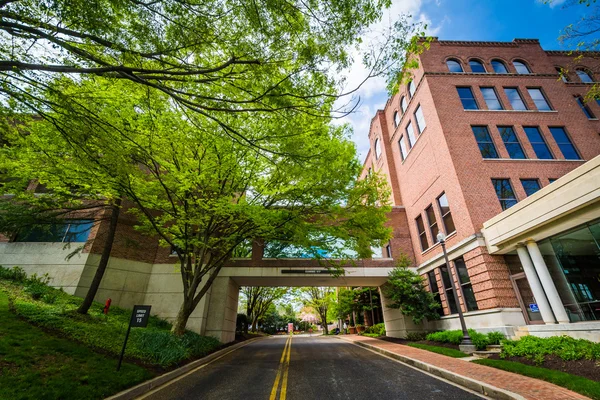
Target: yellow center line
column 285, row 372
column 278, row 376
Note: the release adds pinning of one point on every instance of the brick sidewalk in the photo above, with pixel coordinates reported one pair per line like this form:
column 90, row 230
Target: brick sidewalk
column 529, row 388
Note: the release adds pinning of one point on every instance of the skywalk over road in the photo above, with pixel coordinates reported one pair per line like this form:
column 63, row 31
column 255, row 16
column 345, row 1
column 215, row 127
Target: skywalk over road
column 301, row 368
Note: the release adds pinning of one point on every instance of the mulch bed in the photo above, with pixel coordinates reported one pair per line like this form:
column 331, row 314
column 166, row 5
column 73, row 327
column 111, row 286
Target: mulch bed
column 429, row 342
column 586, row 368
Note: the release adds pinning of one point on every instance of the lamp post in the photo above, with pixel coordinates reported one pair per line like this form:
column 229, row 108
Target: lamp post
column 466, row 345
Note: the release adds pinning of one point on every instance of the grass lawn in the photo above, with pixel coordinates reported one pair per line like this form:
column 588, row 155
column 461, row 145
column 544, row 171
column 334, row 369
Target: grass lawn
column 440, row 350
column 37, row 365
column 575, row 383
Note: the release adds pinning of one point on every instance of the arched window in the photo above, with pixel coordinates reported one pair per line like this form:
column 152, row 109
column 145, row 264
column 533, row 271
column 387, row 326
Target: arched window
column 585, row 76
column 499, row 67
column 476, row 66
column 521, row 67
column 562, row 73
column 411, row 88
column 403, row 104
column 454, row 66
column 396, row 119
column 377, row 149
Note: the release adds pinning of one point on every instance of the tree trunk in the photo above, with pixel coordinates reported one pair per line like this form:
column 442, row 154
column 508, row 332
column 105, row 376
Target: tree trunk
column 112, row 228
column 183, row 315
column 254, row 324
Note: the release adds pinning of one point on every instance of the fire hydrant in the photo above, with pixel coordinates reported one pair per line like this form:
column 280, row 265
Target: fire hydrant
column 107, row 306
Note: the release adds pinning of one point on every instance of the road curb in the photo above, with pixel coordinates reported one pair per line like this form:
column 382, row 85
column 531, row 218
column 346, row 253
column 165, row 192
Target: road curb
column 147, row 386
column 472, row 384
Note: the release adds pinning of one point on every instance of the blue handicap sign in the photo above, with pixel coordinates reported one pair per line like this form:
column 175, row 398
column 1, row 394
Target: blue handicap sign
column 534, row 307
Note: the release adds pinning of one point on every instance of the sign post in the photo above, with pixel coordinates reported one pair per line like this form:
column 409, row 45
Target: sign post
column 139, row 319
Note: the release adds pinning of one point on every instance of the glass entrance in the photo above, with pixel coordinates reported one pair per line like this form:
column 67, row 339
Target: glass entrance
column 528, row 304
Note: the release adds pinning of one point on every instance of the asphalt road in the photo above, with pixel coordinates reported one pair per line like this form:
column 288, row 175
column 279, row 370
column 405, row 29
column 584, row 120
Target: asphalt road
column 304, row 368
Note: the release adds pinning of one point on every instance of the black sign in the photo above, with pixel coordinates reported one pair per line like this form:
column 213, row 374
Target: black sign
column 306, row 271
column 139, row 318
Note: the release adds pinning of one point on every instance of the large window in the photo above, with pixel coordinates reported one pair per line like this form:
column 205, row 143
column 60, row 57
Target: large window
column 420, row 119
column 521, row 67
column 491, row 98
column 411, row 134
column 564, row 143
column 465, row 284
column 433, row 226
column 484, row 141
column 530, row 186
column 446, row 214
column 540, row 101
column 476, row 66
column 586, row 110
column 377, row 149
column 584, row 75
column 402, row 145
column 467, row 99
column 450, row 299
column 72, row 231
column 505, row 193
column 411, row 88
column 538, row 143
column 511, row 142
column 422, row 234
column 499, row 67
column 433, row 287
column 516, row 101
column 403, row 104
column 454, row 66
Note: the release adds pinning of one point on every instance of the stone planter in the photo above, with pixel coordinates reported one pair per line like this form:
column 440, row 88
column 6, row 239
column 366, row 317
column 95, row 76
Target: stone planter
column 351, row 330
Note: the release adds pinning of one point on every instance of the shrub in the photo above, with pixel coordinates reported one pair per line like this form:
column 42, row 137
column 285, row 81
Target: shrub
column 495, row 337
column 480, row 340
column 416, row 336
column 565, row 347
column 378, row 329
column 15, row 274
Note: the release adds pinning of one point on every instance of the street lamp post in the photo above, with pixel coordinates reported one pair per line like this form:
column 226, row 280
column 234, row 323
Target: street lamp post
column 466, row 345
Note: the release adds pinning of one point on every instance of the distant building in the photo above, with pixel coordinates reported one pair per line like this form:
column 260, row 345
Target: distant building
column 471, row 147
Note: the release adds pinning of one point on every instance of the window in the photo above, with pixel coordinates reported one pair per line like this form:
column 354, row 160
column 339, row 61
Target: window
column 71, row 231
column 433, row 287
column 552, row 179
column 422, row 234
column 403, row 104
column 499, row 67
column 450, row 299
column 530, row 186
column 586, row 110
column 466, row 97
column 539, row 99
column 564, row 143
column 396, row 119
column 484, row 140
column 388, row 251
column 505, row 193
column 433, row 226
column 411, row 88
column 491, row 98
column 538, row 143
column 515, row 99
column 402, row 147
column 521, row 68
column 420, row 119
column 465, row 284
column 476, row 66
column 411, row 134
column 454, row 66
column 511, row 142
column 377, row 149
column 562, row 74
column 584, row 76
column 446, row 214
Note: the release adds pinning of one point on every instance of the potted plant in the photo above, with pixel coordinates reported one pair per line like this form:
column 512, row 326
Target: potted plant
column 351, row 330
column 360, row 328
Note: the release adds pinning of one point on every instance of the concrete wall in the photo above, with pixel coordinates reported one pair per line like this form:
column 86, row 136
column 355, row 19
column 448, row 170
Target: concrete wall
column 397, row 324
column 580, row 330
column 497, row 319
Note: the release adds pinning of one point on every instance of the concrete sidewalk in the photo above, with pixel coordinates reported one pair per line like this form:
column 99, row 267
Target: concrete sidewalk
column 454, row 369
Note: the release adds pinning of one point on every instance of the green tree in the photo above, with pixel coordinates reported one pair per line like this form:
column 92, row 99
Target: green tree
column 259, row 300
column 199, row 192
column 406, row 291
column 319, row 299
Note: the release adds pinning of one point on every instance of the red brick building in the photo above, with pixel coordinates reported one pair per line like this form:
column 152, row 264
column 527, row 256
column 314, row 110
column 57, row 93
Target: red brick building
column 480, row 127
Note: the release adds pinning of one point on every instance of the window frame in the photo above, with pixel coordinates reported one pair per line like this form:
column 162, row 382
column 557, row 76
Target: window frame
column 436, row 292
column 462, row 70
column 523, row 63
column 377, row 148
column 63, row 229
column 419, row 110
column 485, row 143
column 497, row 61
column 519, row 94
column 496, row 97
column 458, row 88
column 396, row 117
column 422, row 235
column 536, row 180
column 410, row 132
column 544, row 142
column 462, row 285
column 586, row 73
column 584, row 107
column 478, row 63
column 503, row 200
column 402, row 146
column 561, row 73
column 433, row 225
column 403, row 105
column 544, row 98
column 570, row 142
column 412, row 88
column 449, row 213
column 451, row 304
column 506, row 143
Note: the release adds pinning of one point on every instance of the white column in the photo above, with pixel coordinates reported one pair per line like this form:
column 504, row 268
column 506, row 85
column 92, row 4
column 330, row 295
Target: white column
column 535, row 285
column 547, row 284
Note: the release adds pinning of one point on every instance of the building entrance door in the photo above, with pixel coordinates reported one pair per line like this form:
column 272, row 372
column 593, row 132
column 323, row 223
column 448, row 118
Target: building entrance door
column 528, row 304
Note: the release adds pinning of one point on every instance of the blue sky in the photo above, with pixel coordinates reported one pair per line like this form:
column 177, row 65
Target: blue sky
column 481, row 20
